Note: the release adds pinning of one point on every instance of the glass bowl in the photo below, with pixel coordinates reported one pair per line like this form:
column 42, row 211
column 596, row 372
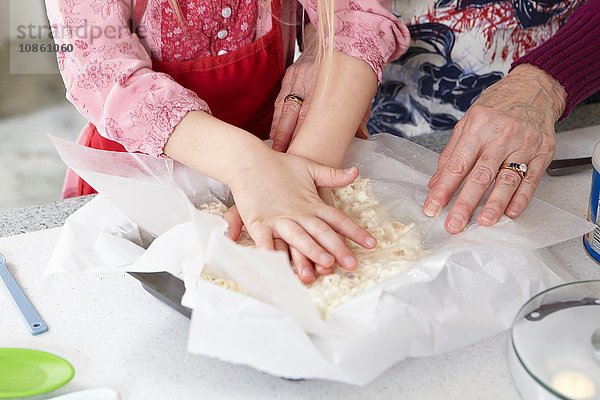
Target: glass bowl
column 551, row 352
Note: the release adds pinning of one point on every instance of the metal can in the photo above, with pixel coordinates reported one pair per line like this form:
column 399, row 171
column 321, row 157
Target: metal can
column 591, row 240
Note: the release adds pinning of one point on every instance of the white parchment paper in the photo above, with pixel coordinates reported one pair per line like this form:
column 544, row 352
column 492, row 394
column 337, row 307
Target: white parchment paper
column 466, row 288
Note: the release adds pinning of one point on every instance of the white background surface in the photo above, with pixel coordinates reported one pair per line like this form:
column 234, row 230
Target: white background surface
column 116, row 335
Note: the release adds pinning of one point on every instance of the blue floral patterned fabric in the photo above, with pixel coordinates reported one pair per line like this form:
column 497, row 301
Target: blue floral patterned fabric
column 459, row 48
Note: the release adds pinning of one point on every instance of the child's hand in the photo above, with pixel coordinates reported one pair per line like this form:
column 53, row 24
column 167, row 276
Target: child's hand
column 298, row 260
column 277, row 199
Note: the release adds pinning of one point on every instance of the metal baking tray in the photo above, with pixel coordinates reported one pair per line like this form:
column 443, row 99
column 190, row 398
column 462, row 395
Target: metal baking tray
column 165, row 287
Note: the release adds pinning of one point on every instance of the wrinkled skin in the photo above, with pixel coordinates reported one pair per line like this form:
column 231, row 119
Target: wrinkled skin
column 512, row 121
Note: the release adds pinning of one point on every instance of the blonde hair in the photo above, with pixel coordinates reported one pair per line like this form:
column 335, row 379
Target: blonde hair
column 325, row 30
column 177, row 10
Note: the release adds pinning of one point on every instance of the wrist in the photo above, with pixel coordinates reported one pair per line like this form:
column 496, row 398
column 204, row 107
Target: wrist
column 554, row 91
column 251, row 166
column 213, row 147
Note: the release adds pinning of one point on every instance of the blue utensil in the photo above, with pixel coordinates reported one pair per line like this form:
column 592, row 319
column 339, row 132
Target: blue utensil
column 32, row 319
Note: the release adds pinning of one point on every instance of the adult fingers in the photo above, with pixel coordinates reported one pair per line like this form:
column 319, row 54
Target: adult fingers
column 303, row 266
column 297, row 237
column 331, row 241
column 524, row 194
column 286, row 85
column 286, row 125
column 456, row 167
column 303, row 111
column 289, row 114
column 445, row 154
column 506, row 184
column 301, row 116
column 232, row 216
column 476, row 184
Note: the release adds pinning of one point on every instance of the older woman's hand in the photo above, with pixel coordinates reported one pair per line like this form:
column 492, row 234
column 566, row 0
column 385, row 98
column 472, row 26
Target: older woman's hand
column 289, row 114
column 512, row 121
column 299, row 79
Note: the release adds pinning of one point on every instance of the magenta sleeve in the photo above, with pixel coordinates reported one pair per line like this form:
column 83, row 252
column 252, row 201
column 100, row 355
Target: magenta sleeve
column 572, row 55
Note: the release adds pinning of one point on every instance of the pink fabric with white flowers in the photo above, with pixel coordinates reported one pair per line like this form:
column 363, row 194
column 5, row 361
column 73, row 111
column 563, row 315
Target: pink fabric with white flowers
column 109, row 76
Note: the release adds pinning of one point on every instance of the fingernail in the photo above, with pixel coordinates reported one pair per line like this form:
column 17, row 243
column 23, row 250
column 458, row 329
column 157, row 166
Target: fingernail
column 431, row 208
column 371, row 242
column 488, row 215
column 349, row 262
column 456, row 223
column 306, row 273
column 512, row 211
column 227, row 232
column 326, row 259
column 349, row 171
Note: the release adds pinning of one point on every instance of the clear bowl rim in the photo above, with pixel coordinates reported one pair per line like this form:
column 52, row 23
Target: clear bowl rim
column 512, row 340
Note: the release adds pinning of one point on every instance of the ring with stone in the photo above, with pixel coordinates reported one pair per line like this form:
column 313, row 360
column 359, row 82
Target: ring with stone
column 293, row 97
column 520, row 168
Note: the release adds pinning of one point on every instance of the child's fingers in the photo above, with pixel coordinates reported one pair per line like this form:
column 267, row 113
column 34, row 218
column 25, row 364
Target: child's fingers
column 282, row 246
column 303, row 266
column 331, row 241
column 322, row 270
column 262, row 236
column 232, row 216
column 297, row 237
column 344, row 225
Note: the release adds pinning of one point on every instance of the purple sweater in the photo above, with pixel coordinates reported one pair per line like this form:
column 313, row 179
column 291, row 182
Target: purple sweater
column 572, row 55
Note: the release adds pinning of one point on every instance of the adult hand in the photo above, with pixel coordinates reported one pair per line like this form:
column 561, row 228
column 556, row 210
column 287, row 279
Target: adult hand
column 299, row 79
column 512, row 121
column 278, row 199
column 289, row 115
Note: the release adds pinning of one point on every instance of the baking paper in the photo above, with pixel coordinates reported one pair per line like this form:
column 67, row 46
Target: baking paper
column 466, row 288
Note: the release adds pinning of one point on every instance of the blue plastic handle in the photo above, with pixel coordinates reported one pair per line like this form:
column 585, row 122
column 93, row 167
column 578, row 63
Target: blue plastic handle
column 32, row 319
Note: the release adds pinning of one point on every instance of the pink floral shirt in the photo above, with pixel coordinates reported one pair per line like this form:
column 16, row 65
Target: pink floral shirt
column 109, row 76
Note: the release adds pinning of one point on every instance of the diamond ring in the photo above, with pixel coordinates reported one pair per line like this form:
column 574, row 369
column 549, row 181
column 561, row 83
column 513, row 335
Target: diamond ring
column 520, row 168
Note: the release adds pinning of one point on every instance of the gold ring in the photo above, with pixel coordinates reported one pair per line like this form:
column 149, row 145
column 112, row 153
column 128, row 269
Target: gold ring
column 520, row 168
column 293, row 97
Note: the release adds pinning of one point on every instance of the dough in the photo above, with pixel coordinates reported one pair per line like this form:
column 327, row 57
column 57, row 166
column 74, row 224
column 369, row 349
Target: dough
column 398, row 246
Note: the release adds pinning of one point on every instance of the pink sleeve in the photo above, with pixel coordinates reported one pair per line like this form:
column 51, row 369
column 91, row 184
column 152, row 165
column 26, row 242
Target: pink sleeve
column 109, row 79
column 367, row 30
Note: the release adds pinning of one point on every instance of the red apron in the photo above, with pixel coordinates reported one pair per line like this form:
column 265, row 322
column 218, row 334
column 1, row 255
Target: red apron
column 240, row 87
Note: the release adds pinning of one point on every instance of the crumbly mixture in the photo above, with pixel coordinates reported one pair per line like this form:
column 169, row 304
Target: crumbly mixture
column 398, row 245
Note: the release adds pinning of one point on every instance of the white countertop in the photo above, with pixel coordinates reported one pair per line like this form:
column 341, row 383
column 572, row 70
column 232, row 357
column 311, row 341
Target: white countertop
column 116, row 335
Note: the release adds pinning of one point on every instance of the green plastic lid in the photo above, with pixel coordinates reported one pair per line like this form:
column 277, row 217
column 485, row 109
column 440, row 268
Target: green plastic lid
column 25, row 373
